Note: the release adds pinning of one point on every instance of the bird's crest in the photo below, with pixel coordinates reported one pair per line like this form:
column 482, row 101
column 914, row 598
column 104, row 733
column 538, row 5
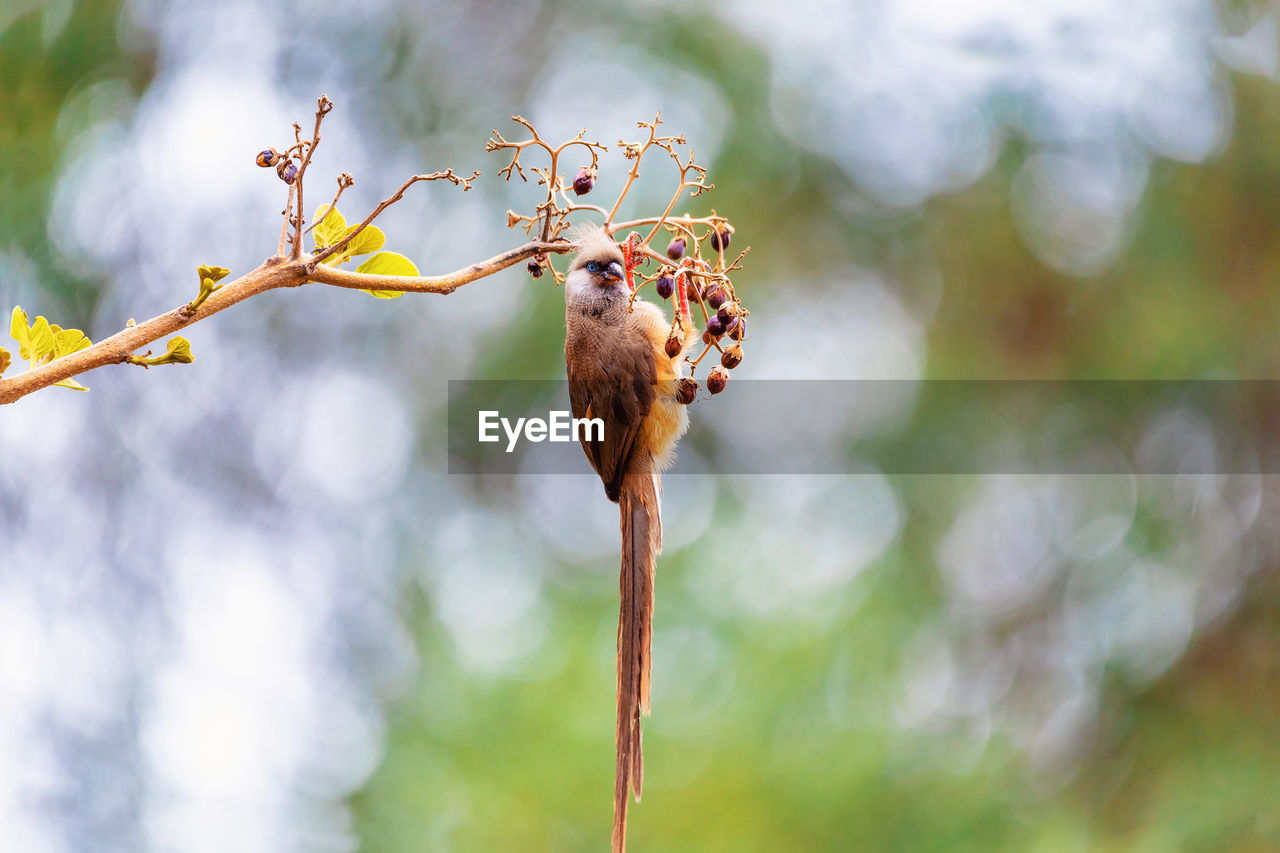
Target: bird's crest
column 594, row 242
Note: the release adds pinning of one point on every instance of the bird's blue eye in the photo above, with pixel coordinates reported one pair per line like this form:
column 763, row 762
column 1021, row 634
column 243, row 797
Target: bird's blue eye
column 592, row 266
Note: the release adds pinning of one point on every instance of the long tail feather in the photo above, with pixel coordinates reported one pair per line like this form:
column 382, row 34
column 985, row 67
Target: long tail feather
column 641, row 525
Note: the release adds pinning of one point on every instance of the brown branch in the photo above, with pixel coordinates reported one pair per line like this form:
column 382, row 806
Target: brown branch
column 292, row 268
column 274, row 273
column 433, row 284
column 117, row 348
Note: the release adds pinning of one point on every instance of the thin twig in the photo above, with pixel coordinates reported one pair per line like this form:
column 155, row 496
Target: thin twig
column 446, row 175
column 550, row 177
column 323, row 106
column 433, row 284
column 287, row 213
column 344, row 180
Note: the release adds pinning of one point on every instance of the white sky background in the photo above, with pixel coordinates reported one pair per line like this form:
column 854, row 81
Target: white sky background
column 145, row 604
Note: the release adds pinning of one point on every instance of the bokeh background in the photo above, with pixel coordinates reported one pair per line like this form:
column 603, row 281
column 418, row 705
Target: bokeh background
column 244, row 608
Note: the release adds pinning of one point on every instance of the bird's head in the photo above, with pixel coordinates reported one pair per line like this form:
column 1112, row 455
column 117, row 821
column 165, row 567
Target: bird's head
column 598, row 265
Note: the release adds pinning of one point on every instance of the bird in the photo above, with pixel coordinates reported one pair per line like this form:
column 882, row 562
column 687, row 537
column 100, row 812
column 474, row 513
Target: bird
column 619, row 370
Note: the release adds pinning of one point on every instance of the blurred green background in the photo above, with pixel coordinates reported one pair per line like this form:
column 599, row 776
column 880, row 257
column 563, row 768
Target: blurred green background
column 246, row 609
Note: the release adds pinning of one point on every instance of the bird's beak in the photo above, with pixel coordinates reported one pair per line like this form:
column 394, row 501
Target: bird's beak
column 614, row 269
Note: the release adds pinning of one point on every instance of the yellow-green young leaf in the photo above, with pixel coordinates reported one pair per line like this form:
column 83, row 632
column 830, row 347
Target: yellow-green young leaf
column 179, row 350
column 40, row 339
column 5, row 360
column 67, row 341
column 368, row 240
column 71, row 383
column 215, row 273
column 388, row 263
column 330, row 226
column 19, row 330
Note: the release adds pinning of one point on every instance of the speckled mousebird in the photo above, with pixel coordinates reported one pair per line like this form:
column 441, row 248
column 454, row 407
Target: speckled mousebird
column 619, row 371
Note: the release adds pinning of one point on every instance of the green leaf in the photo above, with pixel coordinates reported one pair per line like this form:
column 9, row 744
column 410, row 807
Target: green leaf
column 40, row 340
column 19, row 330
column 368, row 240
column 212, row 272
column 67, row 341
column 388, row 263
column 330, row 226
column 43, row 341
column 179, row 351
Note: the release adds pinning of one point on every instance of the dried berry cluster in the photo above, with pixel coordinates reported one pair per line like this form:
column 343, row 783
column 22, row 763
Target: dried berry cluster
column 694, row 270
column 693, row 281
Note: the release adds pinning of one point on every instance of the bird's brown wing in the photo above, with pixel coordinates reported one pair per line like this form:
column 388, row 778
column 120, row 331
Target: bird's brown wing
column 618, row 389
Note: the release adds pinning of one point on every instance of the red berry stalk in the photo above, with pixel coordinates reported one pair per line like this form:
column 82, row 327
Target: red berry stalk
column 682, row 281
column 630, row 257
column 682, row 288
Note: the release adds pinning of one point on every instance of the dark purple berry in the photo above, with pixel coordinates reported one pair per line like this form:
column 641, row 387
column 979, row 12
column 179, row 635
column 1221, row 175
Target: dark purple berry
column 720, row 239
column 675, row 249
column 584, row 181
column 666, row 286
column 730, row 326
column 715, row 296
column 714, row 327
column 717, row 379
column 686, row 390
column 268, row 157
column 725, row 315
column 732, row 356
column 674, row 345
column 739, row 329
column 535, row 268
column 287, row 171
